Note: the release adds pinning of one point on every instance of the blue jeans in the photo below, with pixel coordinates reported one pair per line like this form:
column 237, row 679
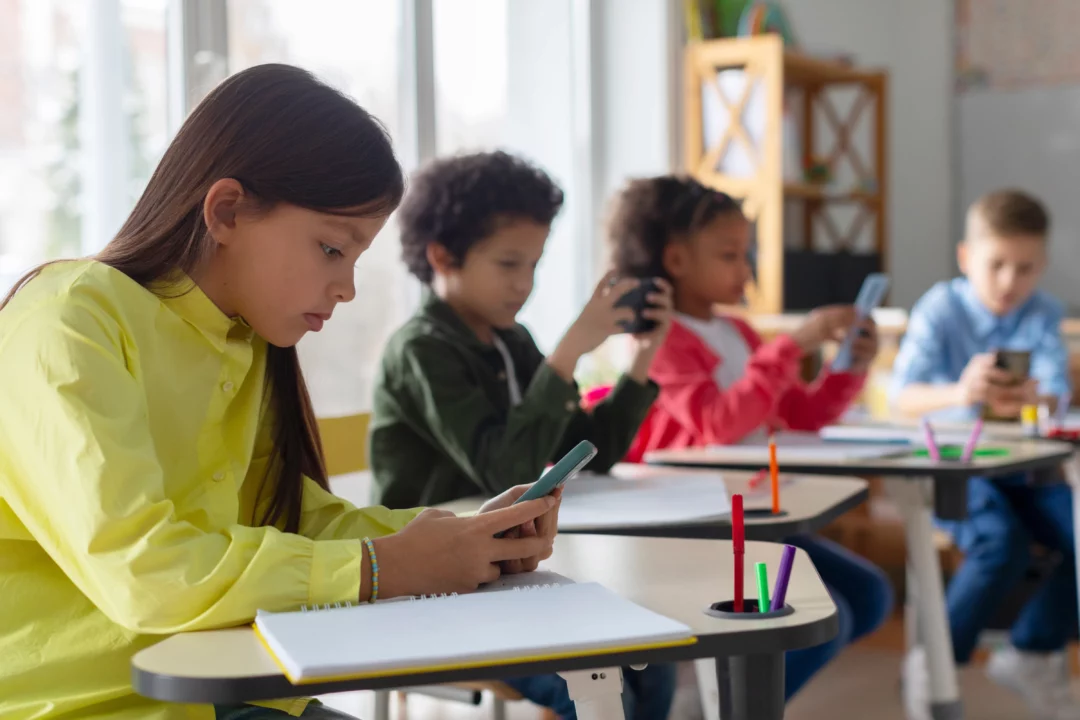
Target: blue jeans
column 647, row 694
column 314, row 711
column 1004, row 516
column 863, row 597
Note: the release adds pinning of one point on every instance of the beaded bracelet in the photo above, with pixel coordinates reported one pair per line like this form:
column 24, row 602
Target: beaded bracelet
column 374, row 570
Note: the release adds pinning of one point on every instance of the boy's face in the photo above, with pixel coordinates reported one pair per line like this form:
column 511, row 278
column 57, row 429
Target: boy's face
column 496, row 277
column 713, row 265
column 1004, row 271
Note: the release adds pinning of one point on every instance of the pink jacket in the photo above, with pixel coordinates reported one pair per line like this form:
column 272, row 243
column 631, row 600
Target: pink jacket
column 693, row 411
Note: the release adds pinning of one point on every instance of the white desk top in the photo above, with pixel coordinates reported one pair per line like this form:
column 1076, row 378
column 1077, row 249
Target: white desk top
column 809, row 503
column 677, row 578
column 1023, row 455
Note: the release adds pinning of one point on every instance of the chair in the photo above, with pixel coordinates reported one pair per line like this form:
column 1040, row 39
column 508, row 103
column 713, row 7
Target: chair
column 345, row 451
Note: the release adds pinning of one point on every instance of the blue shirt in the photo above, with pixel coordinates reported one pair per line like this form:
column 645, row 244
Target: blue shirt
column 949, row 325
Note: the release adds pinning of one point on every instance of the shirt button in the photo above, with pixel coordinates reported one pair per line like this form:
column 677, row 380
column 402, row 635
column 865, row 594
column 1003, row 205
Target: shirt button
column 219, row 476
column 501, row 376
column 571, row 406
column 228, row 386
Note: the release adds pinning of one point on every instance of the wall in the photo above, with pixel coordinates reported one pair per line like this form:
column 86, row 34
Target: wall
column 912, row 39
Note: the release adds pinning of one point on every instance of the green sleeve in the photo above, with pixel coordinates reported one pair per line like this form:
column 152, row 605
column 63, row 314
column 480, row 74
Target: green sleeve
column 494, row 448
column 612, row 424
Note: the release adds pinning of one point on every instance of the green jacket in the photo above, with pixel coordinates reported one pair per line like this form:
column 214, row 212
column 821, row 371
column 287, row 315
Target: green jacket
column 442, row 427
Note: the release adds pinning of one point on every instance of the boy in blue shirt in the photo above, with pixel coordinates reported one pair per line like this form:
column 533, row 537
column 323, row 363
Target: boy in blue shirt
column 945, row 369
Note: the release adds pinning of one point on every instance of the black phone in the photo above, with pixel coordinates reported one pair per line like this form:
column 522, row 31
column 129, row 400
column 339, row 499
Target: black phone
column 637, row 300
column 1015, row 362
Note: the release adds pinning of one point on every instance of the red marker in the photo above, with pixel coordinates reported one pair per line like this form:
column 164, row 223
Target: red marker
column 738, row 547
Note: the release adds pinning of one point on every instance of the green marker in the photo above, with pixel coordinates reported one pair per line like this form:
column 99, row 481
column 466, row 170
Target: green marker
column 762, row 587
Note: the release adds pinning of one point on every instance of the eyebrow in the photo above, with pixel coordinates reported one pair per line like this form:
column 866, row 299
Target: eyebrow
column 354, row 235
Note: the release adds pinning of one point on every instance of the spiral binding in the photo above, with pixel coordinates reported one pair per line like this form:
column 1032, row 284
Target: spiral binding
column 415, row 598
column 531, row 588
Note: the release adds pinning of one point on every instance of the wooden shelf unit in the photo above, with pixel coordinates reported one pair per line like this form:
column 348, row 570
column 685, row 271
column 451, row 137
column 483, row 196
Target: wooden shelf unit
column 770, row 74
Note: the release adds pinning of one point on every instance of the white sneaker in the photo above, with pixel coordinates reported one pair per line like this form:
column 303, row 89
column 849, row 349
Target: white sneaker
column 915, row 685
column 1041, row 679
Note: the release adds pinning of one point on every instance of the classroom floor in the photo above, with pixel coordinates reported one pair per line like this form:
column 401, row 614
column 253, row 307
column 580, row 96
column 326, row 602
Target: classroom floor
column 863, row 682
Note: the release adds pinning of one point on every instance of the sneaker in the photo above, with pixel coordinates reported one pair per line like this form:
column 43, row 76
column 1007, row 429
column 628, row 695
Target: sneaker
column 1041, row 679
column 915, row 685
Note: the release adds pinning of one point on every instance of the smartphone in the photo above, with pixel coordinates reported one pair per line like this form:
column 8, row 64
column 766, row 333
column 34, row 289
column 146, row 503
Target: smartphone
column 567, row 467
column 638, row 300
column 871, row 295
column 1018, row 364
column 1015, row 362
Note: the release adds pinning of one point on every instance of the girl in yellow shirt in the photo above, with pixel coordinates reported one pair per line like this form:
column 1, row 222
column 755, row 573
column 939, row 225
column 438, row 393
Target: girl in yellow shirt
column 160, row 466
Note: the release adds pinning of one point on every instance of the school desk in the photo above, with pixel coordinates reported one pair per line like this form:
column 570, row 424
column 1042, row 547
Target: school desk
column 674, row 577
column 812, row 502
column 912, row 482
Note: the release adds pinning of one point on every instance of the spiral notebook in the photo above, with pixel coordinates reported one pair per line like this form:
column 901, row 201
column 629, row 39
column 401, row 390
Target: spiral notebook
column 514, row 622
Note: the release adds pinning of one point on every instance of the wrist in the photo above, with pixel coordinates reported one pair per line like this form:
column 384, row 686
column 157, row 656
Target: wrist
column 640, row 365
column 388, row 580
column 564, row 359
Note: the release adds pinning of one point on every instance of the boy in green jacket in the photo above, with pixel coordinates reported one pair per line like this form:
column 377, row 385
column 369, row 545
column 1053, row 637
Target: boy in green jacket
column 465, row 403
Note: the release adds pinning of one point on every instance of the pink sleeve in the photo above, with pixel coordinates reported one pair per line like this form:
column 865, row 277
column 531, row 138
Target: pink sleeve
column 718, row 417
column 811, row 407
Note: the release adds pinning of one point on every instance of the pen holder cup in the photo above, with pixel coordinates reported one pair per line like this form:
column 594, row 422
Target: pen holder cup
column 726, row 611
column 763, row 513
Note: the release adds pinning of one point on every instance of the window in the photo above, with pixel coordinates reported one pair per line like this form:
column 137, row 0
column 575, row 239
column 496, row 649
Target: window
column 508, row 75
column 358, row 53
column 83, row 91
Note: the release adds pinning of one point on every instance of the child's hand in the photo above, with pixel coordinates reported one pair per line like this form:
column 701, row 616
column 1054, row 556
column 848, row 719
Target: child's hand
column 1006, row 401
column 439, row 552
column 979, row 377
column 826, row 323
column 598, row 321
column 865, row 347
column 546, row 526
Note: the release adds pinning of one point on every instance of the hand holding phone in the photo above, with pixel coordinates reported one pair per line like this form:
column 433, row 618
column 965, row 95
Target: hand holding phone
column 567, row 467
column 871, row 295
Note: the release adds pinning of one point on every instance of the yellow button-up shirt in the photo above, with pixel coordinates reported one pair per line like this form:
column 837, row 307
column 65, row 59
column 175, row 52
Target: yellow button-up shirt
column 134, row 439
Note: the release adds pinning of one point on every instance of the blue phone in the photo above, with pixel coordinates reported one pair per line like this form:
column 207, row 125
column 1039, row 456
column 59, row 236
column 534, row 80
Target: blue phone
column 567, row 467
column 871, row 295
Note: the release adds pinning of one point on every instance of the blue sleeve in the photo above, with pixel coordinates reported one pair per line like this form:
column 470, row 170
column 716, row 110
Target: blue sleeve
column 1050, row 357
column 922, row 352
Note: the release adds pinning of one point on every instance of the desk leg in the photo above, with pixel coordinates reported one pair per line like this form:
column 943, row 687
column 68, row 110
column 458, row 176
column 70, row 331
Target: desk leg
column 597, row 694
column 705, row 669
column 1072, row 476
column 751, row 687
column 915, row 500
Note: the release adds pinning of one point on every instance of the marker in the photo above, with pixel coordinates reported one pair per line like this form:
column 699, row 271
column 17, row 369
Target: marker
column 931, row 444
column 774, row 475
column 762, row 587
column 738, row 548
column 780, row 594
column 973, row 439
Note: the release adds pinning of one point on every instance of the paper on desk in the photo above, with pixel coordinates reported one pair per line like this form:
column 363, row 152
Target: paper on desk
column 596, row 502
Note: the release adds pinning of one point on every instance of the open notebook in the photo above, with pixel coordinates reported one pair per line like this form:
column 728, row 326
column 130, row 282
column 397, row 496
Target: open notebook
column 599, row 502
column 514, row 622
column 805, row 447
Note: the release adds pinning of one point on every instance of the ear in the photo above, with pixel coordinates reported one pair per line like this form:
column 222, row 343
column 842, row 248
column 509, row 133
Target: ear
column 962, row 256
column 442, row 261
column 676, row 259
column 221, row 207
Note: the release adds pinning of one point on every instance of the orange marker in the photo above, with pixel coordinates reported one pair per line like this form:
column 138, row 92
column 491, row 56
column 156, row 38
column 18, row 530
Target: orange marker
column 774, row 476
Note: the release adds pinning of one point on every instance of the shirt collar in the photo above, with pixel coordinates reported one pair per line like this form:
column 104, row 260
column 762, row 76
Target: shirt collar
column 185, row 298
column 435, row 308
column 983, row 322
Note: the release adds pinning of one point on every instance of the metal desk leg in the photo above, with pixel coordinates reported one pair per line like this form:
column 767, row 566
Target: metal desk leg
column 751, row 687
column 597, row 694
column 382, row 705
column 915, row 500
column 705, row 669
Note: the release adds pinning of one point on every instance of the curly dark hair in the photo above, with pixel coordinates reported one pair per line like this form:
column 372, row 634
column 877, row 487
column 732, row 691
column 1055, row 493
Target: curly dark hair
column 459, row 201
column 651, row 212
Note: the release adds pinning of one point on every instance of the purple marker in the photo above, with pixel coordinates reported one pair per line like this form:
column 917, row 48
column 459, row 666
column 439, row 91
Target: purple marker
column 780, row 592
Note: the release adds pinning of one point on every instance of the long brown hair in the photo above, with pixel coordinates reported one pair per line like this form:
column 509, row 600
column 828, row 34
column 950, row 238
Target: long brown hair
column 286, row 138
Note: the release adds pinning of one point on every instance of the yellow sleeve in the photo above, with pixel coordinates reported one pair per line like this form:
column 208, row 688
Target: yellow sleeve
column 327, row 517
column 84, row 478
